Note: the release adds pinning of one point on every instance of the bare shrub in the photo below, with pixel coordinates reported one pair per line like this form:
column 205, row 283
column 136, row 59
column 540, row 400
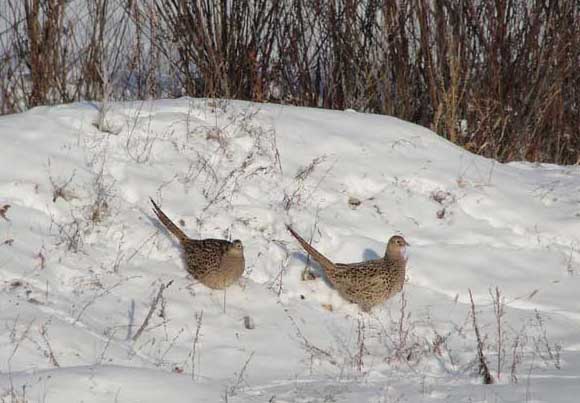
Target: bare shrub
column 231, row 54
column 500, row 78
column 44, row 45
column 55, row 51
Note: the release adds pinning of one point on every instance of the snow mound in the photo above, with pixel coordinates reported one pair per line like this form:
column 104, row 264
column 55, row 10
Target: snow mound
column 82, row 259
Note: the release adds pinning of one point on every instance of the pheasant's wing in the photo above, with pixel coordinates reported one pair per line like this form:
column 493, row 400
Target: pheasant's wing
column 205, row 254
column 360, row 277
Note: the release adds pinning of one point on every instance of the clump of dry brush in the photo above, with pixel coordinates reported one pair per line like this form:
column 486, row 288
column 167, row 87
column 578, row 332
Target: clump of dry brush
column 499, row 78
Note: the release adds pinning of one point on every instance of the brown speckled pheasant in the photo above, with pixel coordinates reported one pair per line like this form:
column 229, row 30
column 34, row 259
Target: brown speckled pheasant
column 216, row 263
column 366, row 283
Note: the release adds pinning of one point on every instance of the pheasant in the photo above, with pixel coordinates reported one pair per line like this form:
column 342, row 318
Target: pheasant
column 368, row 283
column 216, row 263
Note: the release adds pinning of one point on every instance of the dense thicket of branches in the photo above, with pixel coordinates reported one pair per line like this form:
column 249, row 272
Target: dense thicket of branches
column 501, row 78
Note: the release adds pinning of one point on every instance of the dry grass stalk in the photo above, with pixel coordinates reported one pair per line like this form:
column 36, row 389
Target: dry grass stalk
column 152, row 309
column 484, row 371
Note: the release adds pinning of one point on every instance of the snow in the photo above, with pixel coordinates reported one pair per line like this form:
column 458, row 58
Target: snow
column 82, row 258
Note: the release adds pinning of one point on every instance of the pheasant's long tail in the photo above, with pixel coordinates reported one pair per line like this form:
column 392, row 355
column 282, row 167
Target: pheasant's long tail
column 168, row 223
column 326, row 264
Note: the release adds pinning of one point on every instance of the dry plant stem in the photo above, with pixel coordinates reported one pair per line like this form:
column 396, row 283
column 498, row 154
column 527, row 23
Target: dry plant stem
column 361, row 345
column 70, row 234
column 110, row 333
column 306, row 273
column 152, row 309
column 294, row 199
column 552, row 352
column 137, row 250
column 230, row 180
column 402, row 347
column 311, row 348
column 516, row 359
column 279, row 279
column 482, row 362
column 171, row 345
column 498, row 310
column 97, row 296
column 60, row 190
column 528, row 385
column 44, row 333
column 196, row 338
column 403, row 331
column 240, row 379
column 17, row 341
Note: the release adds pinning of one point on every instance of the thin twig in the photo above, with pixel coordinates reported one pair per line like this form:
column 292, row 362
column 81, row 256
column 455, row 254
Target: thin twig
column 152, row 308
column 44, row 333
column 198, row 321
column 483, row 368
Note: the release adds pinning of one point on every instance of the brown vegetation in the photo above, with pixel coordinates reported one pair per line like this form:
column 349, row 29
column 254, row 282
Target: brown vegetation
column 499, row 78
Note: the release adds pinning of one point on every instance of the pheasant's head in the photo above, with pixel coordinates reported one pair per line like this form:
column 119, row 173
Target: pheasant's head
column 236, row 248
column 397, row 248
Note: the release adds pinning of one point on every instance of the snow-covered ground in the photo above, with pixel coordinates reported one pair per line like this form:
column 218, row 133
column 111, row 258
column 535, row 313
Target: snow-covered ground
column 82, row 260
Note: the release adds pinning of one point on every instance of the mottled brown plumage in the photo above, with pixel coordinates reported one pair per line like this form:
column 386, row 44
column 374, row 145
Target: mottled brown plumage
column 366, row 283
column 216, row 263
